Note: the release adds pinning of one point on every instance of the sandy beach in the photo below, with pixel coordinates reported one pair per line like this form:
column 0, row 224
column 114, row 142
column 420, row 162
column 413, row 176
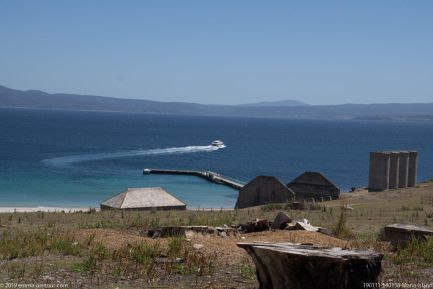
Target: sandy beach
column 42, row 209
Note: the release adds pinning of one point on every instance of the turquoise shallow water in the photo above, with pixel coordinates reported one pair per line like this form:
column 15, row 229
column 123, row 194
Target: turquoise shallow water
column 38, row 190
column 78, row 159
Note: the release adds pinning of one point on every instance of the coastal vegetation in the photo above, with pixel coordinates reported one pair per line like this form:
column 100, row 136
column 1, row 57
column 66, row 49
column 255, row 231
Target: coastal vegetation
column 101, row 249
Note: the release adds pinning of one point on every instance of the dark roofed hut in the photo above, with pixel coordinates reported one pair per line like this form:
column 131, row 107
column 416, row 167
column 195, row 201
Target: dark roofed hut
column 263, row 190
column 313, row 185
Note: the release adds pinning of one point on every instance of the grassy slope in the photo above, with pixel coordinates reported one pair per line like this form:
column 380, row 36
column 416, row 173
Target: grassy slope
column 69, row 242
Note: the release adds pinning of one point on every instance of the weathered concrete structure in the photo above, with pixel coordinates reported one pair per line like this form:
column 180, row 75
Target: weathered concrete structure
column 403, row 169
column 264, row 190
column 394, row 167
column 143, row 199
column 378, row 177
column 413, row 164
column 207, row 175
column 392, row 170
column 401, row 234
column 313, row 186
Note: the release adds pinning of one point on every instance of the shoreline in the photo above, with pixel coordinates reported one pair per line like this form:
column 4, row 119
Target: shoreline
column 83, row 209
column 45, row 209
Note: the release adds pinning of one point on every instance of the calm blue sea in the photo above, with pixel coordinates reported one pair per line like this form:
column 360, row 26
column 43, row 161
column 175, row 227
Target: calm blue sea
column 58, row 158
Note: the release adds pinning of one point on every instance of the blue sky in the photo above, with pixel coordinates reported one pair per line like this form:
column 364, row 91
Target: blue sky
column 224, row 52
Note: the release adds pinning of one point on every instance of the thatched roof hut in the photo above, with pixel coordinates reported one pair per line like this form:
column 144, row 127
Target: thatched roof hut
column 313, row 185
column 143, row 199
column 263, row 190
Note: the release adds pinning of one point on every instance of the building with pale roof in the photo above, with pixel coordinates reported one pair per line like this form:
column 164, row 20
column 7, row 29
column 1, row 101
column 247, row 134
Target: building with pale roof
column 143, row 199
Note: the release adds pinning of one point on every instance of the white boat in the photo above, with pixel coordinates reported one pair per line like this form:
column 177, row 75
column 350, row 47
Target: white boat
column 218, row 143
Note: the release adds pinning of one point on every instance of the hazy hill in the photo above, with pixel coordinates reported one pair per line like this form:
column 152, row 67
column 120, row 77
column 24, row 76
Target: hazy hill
column 41, row 100
column 287, row 102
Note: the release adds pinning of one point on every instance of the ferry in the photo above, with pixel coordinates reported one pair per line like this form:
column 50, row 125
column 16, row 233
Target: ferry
column 218, row 143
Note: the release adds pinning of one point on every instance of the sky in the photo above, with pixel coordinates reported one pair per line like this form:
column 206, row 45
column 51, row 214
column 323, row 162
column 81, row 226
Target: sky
column 221, row 52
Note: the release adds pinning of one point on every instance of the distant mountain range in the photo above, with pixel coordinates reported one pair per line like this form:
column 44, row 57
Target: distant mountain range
column 34, row 99
column 287, row 102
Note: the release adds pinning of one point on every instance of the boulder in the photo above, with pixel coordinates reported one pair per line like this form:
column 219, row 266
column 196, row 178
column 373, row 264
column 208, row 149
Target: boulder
column 281, row 221
column 303, row 220
column 400, row 234
column 226, row 231
column 301, row 224
column 326, row 231
column 304, row 226
column 258, row 225
column 286, row 265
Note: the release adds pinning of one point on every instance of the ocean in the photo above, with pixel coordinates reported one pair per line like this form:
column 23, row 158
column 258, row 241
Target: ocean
column 79, row 159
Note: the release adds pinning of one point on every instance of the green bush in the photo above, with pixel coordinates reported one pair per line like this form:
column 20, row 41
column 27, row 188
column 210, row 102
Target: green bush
column 144, row 252
column 417, row 250
column 18, row 244
column 176, row 246
column 341, row 230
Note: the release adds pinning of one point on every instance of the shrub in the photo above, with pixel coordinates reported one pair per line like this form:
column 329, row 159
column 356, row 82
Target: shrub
column 17, row 244
column 65, row 244
column 144, row 252
column 341, row 230
column 247, row 271
column 197, row 262
column 272, row 207
column 176, row 246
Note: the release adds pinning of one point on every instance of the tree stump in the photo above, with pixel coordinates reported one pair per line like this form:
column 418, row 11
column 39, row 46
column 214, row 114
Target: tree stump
column 291, row 266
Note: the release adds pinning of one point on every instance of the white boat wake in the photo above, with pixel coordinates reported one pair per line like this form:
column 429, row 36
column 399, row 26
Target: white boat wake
column 69, row 160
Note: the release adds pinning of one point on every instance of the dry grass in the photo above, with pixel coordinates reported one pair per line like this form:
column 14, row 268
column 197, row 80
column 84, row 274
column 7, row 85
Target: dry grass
column 105, row 249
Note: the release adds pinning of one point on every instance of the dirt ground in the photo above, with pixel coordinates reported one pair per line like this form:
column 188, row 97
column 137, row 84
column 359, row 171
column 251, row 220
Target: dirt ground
column 366, row 213
column 224, row 248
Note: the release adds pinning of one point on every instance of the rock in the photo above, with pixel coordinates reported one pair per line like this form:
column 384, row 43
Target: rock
column 226, row 231
column 400, row 234
column 164, row 260
column 304, row 226
column 286, row 265
column 189, row 231
column 211, row 230
column 301, row 224
column 326, row 231
column 198, row 246
column 257, row 225
column 281, row 221
column 47, row 277
column 167, row 232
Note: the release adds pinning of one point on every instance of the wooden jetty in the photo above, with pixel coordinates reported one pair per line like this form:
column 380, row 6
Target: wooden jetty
column 208, row 175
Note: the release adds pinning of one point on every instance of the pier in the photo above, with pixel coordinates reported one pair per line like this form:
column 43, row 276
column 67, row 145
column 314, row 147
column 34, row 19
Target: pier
column 208, row 175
